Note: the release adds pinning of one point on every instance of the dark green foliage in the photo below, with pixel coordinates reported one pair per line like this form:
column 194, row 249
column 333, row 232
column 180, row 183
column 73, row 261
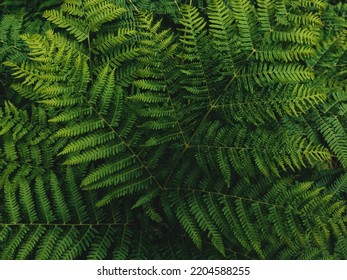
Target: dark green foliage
column 173, row 130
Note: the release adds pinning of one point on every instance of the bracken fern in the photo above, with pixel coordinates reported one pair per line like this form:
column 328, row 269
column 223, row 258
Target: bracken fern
column 190, row 130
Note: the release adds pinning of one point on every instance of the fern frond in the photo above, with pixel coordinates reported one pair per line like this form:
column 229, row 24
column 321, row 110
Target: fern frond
column 265, row 74
column 244, row 14
column 274, row 209
column 79, row 19
column 272, row 103
column 274, row 53
column 100, row 12
column 238, row 150
column 76, row 27
column 334, row 134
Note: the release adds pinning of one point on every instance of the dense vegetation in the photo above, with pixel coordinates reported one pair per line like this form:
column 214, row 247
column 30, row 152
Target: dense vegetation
column 167, row 129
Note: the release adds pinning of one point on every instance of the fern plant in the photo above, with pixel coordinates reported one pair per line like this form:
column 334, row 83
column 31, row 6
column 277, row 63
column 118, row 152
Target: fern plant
column 222, row 136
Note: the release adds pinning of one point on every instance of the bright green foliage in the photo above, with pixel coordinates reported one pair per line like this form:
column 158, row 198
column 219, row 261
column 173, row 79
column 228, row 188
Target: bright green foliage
column 174, row 130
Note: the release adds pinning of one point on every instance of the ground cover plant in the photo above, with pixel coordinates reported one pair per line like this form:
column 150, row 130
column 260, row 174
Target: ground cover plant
column 138, row 129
